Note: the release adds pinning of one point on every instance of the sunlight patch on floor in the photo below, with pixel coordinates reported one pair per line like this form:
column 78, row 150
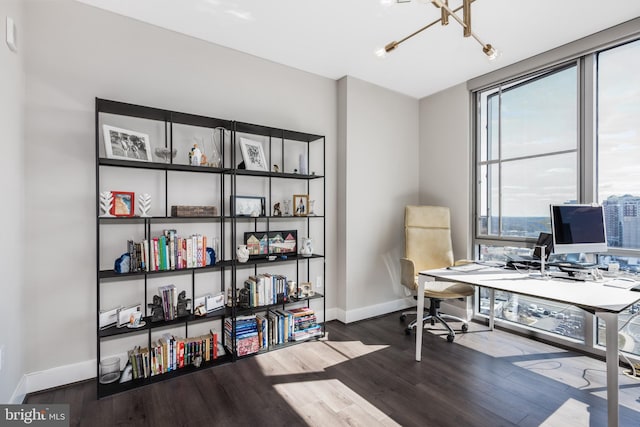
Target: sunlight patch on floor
column 330, row 402
column 571, row 413
column 313, row 356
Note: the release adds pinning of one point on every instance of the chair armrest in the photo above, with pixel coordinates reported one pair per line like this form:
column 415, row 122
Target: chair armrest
column 408, row 273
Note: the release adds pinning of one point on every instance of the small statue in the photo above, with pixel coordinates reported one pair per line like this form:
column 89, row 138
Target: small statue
column 197, row 361
column 276, row 210
column 183, row 304
column 195, row 156
column 157, row 312
column 276, row 168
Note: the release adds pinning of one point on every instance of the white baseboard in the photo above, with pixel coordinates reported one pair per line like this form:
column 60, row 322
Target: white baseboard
column 55, row 377
column 373, row 310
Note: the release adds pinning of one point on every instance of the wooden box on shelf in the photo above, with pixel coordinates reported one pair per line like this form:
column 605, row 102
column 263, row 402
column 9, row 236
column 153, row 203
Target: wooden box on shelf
column 194, row 211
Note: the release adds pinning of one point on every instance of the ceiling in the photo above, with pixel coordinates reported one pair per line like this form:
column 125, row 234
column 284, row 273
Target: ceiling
column 334, row 38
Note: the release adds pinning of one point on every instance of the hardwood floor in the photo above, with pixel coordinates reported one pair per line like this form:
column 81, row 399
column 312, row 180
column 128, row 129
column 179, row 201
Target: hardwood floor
column 364, row 374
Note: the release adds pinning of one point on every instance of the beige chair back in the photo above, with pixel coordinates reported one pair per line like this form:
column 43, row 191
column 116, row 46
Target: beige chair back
column 428, row 237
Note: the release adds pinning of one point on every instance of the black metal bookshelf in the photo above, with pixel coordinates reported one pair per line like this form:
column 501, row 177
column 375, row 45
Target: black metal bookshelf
column 224, row 179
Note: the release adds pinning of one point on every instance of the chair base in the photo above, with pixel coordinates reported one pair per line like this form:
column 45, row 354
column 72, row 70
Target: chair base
column 433, row 316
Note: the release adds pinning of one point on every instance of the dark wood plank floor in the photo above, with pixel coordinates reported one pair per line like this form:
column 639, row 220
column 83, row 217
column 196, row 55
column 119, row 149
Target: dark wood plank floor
column 365, row 374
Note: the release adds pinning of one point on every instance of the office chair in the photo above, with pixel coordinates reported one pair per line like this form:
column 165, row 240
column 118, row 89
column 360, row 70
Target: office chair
column 428, row 246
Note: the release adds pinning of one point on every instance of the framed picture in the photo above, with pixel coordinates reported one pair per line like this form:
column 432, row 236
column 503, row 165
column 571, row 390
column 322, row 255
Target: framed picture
column 253, row 155
column 126, row 144
column 272, row 242
column 247, row 206
column 123, row 203
column 300, row 204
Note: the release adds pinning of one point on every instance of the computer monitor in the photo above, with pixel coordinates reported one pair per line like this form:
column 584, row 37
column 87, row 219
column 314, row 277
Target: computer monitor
column 578, row 229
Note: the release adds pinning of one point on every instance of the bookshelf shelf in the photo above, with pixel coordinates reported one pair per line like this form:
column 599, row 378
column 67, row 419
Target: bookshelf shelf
column 174, row 182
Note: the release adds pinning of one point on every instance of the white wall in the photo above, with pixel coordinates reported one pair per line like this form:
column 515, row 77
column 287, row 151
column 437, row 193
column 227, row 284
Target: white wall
column 378, row 170
column 76, row 53
column 445, row 160
column 12, row 307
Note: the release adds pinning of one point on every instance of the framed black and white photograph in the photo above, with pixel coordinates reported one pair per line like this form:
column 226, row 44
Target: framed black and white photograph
column 300, row 204
column 253, row 155
column 126, row 144
column 247, row 206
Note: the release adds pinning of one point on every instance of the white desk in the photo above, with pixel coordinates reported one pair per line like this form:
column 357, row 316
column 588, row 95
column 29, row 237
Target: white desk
column 604, row 301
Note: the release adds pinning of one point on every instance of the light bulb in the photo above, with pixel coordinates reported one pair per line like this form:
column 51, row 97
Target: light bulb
column 381, row 53
column 491, row 52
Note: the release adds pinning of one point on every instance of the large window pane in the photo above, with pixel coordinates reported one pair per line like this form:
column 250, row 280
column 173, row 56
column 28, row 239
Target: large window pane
column 527, row 150
column 540, row 116
column 619, row 143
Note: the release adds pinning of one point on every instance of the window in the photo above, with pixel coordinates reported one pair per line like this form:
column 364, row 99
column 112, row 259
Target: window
column 528, row 153
column 566, row 134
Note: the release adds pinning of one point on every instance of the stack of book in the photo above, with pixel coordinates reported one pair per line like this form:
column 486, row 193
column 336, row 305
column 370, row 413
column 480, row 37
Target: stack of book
column 167, row 252
column 304, row 324
column 246, row 334
column 266, row 289
column 169, row 299
column 170, row 353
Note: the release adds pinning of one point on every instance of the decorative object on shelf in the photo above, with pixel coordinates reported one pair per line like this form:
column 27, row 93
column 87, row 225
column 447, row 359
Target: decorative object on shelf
column 303, row 164
column 445, row 13
column 286, row 208
column 276, row 210
column 197, row 361
column 276, row 168
column 157, row 311
column 247, row 206
column 183, row 305
column 135, row 321
column 166, row 154
column 311, row 205
column 306, row 289
column 109, row 370
column 199, row 211
column 126, row 144
column 144, row 205
column 242, row 253
column 200, row 310
column 253, row 155
column 300, row 204
column 123, row 203
column 106, row 203
column 127, row 315
column 306, row 250
column 122, row 264
column 127, row 373
column 273, row 242
column 196, row 157
column 215, row 158
column 211, row 257
column 292, row 289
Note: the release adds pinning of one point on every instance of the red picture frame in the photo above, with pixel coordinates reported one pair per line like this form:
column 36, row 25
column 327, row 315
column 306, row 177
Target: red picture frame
column 123, row 203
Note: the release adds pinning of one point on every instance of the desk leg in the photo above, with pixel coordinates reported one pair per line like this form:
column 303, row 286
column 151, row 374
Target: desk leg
column 492, row 307
column 420, row 315
column 611, row 323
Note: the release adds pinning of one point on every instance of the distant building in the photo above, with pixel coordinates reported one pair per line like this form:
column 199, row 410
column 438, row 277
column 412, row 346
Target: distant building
column 623, row 221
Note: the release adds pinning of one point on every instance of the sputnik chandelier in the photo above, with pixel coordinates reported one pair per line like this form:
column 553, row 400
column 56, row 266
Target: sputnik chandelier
column 446, row 12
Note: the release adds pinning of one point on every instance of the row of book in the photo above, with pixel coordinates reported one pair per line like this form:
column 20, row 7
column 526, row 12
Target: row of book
column 169, row 252
column 266, row 289
column 170, row 353
column 259, row 331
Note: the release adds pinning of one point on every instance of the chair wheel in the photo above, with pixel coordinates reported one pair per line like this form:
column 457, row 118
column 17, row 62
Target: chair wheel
column 403, row 317
column 407, row 331
column 450, row 337
column 465, row 327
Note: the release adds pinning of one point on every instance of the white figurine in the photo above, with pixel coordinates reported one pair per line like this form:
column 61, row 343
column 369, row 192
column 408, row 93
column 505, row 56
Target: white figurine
column 242, row 253
column 144, row 205
column 195, row 156
column 106, row 203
